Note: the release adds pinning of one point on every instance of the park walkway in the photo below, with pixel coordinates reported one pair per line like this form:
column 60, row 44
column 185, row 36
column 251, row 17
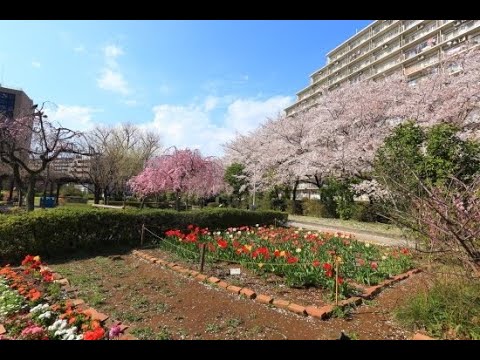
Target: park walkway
column 361, row 235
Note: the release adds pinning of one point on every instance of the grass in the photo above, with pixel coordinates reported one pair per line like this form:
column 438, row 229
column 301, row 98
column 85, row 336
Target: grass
column 146, row 333
column 450, row 309
column 90, row 291
column 212, row 328
column 385, row 229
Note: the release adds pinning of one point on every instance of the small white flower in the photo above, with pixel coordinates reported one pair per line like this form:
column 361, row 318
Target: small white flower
column 298, row 250
column 239, row 232
column 384, row 257
column 296, row 231
column 219, row 233
column 367, row 245
column 231, row 236
column 79, row 337
column 234, row 229
column 257, row 225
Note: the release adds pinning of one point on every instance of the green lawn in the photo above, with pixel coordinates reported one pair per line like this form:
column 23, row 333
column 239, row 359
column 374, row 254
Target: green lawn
column 386, row 229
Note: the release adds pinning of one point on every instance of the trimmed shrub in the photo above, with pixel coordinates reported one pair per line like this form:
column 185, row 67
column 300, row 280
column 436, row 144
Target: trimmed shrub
column 59, row 231
column 62, row 200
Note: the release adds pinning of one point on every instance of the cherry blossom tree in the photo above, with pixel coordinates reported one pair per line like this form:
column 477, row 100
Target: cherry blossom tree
column 182, row 171
column 341, row 133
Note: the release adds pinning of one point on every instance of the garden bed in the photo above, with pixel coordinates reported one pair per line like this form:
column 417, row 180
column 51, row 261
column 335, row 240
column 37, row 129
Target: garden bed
column 159, row 303
column 35, row 305
column 291, row 258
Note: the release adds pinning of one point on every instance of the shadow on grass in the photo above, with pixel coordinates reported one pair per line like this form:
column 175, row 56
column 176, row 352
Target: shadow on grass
column 88, row 254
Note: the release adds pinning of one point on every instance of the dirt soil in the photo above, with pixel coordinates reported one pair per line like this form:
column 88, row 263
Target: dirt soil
column 159, row 303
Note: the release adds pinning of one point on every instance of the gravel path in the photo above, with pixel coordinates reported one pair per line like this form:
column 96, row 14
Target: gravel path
column 361, row 235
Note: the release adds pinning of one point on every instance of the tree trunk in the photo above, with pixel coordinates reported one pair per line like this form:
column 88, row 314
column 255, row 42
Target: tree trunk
column 105, row 196
column 20, row 197
column 10, row 193
column 51, row 189
column 294, row 197
column 57, row 195
column 177, row 200
column 96, row 194
column 31, row 193
column 142, row 204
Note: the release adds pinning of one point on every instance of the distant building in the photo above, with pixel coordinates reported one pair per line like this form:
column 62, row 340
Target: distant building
column 307, row 191
column 384, row 47
column 14, row 103
column 71, row 165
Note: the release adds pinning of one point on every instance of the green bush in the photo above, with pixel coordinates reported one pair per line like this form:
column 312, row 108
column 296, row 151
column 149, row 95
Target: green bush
column 449, row 309
column 72, row 200
column 313, row 207
column 58, row 231
column 369, row 212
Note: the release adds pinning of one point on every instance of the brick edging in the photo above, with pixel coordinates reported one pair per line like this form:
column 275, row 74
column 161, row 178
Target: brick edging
column 370, row 292
column 322, row 313
column 420, row 336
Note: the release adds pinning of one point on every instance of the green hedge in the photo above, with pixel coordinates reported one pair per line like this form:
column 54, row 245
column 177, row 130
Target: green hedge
column 58, row 231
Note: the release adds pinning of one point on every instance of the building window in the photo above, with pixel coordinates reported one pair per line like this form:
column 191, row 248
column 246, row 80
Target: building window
column 7, row 104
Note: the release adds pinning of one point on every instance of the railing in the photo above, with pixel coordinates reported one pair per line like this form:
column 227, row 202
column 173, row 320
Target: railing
column 460, row 30
column 382, row 26
column 427, row 44
column 421, row 33
column 387, row 65
column 421, row 65
column 386, row 51
column 410, row 23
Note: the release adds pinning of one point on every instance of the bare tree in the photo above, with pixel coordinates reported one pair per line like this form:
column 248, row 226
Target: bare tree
column 29, row 143
column 118, row 153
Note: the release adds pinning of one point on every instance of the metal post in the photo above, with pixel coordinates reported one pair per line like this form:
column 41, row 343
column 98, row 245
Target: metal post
column 336, row 282
column 202, row 257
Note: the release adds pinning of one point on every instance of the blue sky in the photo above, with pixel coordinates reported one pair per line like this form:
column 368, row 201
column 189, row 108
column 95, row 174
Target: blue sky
column 195, row 82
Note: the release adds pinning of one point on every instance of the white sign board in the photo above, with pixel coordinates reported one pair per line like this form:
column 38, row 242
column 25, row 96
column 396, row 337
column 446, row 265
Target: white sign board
column 235, row 271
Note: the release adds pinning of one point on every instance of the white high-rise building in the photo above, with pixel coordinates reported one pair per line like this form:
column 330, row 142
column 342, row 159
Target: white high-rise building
column 385, row 46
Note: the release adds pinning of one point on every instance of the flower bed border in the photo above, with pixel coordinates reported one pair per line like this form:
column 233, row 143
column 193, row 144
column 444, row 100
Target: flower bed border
column 81, row 305
column 322, row 313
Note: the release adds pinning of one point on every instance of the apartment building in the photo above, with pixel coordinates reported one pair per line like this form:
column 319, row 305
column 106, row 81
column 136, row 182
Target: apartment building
column 15, row 103
column 384, row 47
column 71, row 165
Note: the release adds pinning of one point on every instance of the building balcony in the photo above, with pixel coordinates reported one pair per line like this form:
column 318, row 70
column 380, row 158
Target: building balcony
column 421, row 65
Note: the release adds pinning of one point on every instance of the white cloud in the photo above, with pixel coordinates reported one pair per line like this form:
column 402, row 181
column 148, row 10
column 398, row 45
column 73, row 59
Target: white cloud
column 113, row 81
column 211, row 102
column 243, row 114
column 112, row 51
column 74, row 117
column 36, row 64
column 131, row 102
column 79, row 49
column 111, row 78
column 192, row 126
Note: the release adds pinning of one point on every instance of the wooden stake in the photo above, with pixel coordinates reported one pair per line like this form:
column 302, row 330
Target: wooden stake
column 142, row 236
column 336, row 282
column 202, row 257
